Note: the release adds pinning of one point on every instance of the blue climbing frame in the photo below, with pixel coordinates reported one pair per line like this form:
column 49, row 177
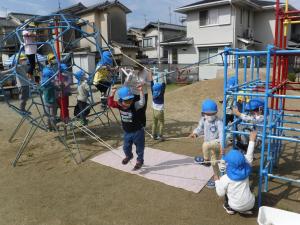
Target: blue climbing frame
column 275, row 130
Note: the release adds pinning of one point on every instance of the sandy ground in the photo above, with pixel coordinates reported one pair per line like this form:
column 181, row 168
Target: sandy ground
column 48, row 188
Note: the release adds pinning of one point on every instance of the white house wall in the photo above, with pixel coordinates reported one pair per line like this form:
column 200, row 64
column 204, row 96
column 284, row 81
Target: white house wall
column 152, row 52
column 264, row 23
column 211, row 34
column 188, row 55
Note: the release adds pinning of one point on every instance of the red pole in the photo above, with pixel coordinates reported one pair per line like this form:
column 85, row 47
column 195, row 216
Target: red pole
column 63, row 100
column 276, row 45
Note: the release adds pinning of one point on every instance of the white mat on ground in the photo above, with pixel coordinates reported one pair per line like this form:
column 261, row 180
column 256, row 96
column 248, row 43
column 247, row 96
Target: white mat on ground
column 166, row 167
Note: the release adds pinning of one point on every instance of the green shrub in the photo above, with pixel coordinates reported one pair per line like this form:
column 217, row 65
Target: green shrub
column 292, row 77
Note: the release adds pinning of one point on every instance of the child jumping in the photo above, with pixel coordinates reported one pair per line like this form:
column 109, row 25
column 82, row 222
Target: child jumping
column 131, row 122
column 158, row 92
column 234, row 185
column 212, row 128
column 82, row 97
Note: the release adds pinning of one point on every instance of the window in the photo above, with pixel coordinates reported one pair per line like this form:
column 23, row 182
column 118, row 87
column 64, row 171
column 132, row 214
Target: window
column 147, row 43
column 217, row 16
column 203, row 55
column 174, row 56
column 165, row 53
column 206, row 53
column 248, row 18
column 241, row 16
column 204, row 18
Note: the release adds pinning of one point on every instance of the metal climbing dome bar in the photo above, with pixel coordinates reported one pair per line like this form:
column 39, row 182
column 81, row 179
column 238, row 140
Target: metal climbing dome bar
column 275, row 129
column 57, row 36
column 281, row 122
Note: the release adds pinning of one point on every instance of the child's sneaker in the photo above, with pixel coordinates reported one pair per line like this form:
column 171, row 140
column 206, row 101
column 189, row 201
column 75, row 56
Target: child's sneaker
column 229, row 210
column 126, row 160
column 211, row 184
column 201, row 161
column 160, row 138
column 198, row 159
column 138, row 165
column 248, row 212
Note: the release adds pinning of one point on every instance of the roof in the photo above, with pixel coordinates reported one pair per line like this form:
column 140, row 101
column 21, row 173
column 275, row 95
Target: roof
column 259, row 4
column 180, row 40
column 200, row 4
column 21, row 16
column 167, row 26
column 73, row 9
column 248, row 41
column 124, row 45
column 103, row 6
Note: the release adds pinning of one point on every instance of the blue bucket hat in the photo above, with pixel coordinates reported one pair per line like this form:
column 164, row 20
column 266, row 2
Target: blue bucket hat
column 254, row 104
column 237, row 168
column 156, row 89
column 125, row 93
column 47, row 73
column 209, row 106
column 106, row 59
column 79, row 74
column 232, row 81
column 63, row 67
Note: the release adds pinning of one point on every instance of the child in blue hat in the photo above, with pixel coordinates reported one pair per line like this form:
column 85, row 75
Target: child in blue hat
column 49, row 90
column 212, row 128
column 82, row 109
column 234, row 185
column 255, row 116
column 131, row 122
column 158, row 92
column 102, row 77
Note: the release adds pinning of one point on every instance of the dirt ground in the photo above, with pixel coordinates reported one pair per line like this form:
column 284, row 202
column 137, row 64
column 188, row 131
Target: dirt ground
column 48, row 188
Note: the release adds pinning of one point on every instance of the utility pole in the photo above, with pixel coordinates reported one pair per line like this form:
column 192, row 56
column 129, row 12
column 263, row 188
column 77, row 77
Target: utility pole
column 170, row 14
column 145, row 18
column 59, row 8
column 158, row 43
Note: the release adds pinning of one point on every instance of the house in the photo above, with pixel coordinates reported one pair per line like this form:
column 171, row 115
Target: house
column 135, row 36
column 110, row 19
column 155, row 31
column 215, row 24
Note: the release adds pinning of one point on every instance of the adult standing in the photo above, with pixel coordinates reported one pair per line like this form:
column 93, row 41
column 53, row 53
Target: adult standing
column 30, row 50
column 140, row 77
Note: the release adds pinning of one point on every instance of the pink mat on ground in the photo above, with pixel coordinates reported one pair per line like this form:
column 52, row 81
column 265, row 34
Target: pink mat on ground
column 166, row 167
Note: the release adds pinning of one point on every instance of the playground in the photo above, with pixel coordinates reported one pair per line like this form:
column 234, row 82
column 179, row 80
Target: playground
column 49, row 174
column 48, row 188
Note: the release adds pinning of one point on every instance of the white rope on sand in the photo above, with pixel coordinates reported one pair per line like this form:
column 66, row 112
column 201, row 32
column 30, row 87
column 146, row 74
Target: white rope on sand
column 182, row 164
column 97, row 138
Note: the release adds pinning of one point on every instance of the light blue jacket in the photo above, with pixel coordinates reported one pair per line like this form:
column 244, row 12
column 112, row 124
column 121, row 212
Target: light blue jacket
column 211, row 130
